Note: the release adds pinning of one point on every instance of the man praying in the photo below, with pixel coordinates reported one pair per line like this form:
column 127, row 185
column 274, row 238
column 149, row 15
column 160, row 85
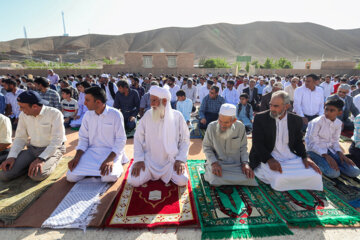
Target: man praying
column 278, row 153
column 225, row 148
column 161, row 143
column 102, row 138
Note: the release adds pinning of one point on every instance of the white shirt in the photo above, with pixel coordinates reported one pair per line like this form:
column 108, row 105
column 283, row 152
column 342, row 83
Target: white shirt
column 5, row 129
column 54, row 79
column 45, row 130
column 322, row 135
column 149, row 146
column 231, row 96
column 267, row 89
column 103, row 132
column 198, row 87
column 110, row 100
column 241, row 88
column 173, row 91
column 328, row 88
column 11, row 98
column 290, row 90
column 203, row 92
column 191, row 93
column 307, row 102
column 281, row 151
column 356, row 101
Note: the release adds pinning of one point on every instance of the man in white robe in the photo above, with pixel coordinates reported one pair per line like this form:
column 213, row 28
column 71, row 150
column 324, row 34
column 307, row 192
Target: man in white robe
column 225, row 148
column 102, row 138
column 278, row 153
column 161, row 143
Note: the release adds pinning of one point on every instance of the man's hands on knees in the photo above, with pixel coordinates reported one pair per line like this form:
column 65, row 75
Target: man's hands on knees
column 137, row 167
column 203, row 121
column 35, row 167
column 274, row 165
column 106, row 167
column 331, row 162
column 73, row 163
column 246, row 169
column 216, row 169
column 345, row 159
column 310, row 163
column 8, row 164
column 179, row 167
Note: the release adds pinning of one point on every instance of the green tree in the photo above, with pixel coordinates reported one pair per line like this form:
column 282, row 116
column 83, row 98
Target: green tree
column 210, row 63
column 216, row 63
column 247, row 67
column 268, row 64
column 109, row 61
column 255, row 63
column 283, row 63
column 358, row 66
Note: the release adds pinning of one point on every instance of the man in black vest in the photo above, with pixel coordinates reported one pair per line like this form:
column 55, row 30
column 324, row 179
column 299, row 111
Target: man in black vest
column 254, row 98
column 109, row 87
column 278, row 153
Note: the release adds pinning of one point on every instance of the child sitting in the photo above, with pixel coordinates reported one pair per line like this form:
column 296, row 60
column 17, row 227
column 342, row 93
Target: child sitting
column 184, row 105
column 322, row 142
column 244, row 112
column 69, row 106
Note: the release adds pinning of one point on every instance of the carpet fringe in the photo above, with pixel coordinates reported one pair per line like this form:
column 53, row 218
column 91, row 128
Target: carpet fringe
column 248, row 233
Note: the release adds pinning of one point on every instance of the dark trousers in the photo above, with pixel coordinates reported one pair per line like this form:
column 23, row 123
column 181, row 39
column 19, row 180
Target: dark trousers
column 309, row 118
column 3, row 155
column 210, row 117
column 355, row 154
column 348, row 125
column 129, row 125
column 173, row 104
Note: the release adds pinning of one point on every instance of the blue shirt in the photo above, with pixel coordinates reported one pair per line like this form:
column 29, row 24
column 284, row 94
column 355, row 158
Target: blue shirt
column 242, row 116
column 129, row 105
column 356, row 137
column 210, row 105
column 2, row 104
column 185, row 107
column 260, row 88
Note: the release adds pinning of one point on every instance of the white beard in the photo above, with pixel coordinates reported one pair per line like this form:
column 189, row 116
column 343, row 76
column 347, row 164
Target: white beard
column 224, row 134
column 158, row 113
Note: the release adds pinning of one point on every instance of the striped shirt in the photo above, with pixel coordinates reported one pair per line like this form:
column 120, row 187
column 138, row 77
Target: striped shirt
column 69, row 107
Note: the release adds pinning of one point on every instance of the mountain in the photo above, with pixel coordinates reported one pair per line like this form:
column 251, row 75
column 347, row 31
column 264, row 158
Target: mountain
column 258, row 39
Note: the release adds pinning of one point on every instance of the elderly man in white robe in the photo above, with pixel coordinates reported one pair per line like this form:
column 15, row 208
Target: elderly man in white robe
column 225, row 148
column 102, row 138
column 161, row 143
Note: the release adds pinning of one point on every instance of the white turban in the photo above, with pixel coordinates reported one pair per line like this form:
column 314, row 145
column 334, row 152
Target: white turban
column 228, row 109
column 169, row 130
column 104, row 75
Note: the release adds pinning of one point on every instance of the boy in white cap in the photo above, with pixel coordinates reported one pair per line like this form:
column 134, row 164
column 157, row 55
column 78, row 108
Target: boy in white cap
column 161, row 143
column 225, row 147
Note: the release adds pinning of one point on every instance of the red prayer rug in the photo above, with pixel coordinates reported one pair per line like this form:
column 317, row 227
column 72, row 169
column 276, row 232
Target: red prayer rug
column 153, row 204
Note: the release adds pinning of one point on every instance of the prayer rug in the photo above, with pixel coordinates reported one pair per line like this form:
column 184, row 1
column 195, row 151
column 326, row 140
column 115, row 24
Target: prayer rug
column 346, row 135
column 18, row 194
column 153, row 204
column 233, row 211
column 196, row 132
column 304, row 208
column 346, row 188
column 77, row 209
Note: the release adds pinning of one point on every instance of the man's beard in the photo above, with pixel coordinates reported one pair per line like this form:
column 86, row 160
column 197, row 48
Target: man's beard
column 224, row 134
column 275, row 116
column 158, row 113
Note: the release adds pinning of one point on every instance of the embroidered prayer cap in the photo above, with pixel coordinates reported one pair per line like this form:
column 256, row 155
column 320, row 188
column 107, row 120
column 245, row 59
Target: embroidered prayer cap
column 228, row 109
column 278, row 85
column 160, row 92
column 104, row 75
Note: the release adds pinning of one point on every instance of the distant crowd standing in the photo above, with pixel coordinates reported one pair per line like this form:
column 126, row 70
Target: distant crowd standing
column 278, row 111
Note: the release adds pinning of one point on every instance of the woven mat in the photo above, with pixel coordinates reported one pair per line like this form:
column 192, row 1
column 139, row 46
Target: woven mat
column 134, row 208
column 303, row 208
column 20, row 193
column 233, row 211
column 346, row 188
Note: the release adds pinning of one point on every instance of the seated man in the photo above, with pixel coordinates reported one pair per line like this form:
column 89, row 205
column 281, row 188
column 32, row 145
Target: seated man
column 278, row 153
column 349, row 107
column 5, row 136
column 225, row 148
column 184, row 105
column 210, row 106
column 161, row 143
column 322, row 142
column 354, row 149
column 127, row 100
column 45, row 128
column 102, row 138
column 145, row 100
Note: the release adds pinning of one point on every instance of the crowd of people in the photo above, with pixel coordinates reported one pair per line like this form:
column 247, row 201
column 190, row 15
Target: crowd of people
column 295, row 122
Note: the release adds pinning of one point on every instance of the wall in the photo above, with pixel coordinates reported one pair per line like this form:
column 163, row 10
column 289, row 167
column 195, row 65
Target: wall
column 284, row 72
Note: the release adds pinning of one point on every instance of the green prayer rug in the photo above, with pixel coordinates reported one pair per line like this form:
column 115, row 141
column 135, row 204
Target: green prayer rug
column 233, row 211
column 18, row 194
column 346, row 188
column 304, row 208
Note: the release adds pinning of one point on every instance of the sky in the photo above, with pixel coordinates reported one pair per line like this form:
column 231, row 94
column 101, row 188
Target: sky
column 42, row 18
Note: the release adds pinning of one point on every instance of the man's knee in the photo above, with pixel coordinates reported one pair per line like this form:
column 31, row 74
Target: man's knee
column 353, row 172
column 331, row 173
column 72, row 177
column 109, row 178
column 4, row 176
column 39, row 177
column 135, row 181
column 180, row 180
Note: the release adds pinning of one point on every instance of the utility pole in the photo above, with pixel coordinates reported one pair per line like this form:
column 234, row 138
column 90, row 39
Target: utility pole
column 27, row 43
column 63, row 19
